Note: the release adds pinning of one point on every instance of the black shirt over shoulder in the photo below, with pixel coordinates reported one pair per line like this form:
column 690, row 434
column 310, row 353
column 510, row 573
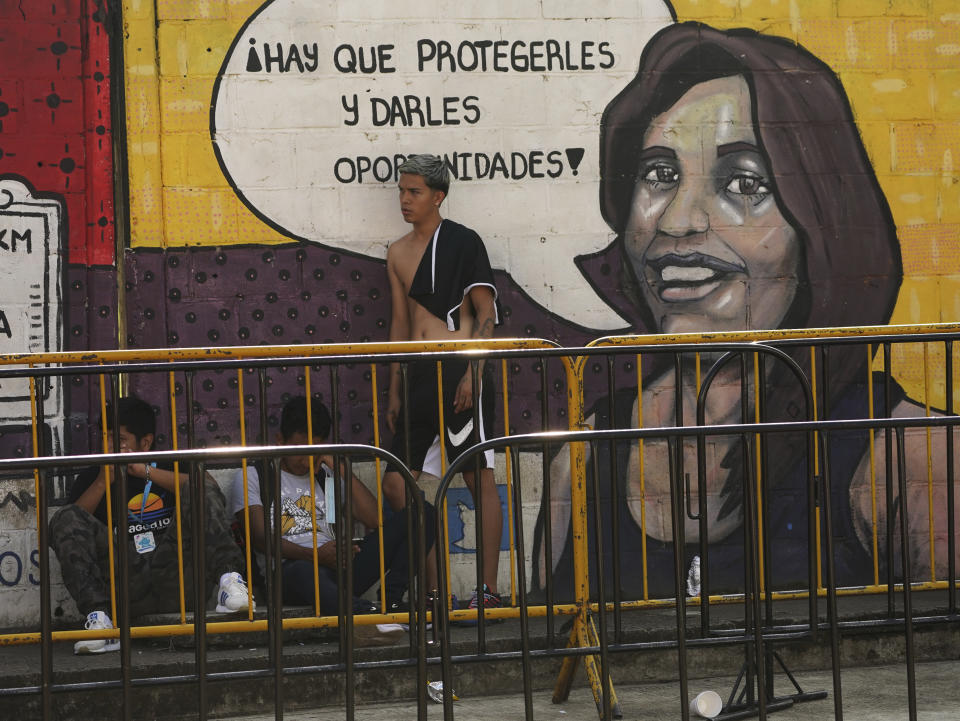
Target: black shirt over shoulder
column 454, row 261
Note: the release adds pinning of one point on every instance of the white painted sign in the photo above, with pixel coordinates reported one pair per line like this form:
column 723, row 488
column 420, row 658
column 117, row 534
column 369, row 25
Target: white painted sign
column 30, row 291
column 318, row 102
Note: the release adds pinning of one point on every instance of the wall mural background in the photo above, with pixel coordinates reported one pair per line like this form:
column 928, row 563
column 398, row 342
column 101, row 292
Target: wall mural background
column 312, row 105
column 211, row 112
column 261, row 137
column 58, row 289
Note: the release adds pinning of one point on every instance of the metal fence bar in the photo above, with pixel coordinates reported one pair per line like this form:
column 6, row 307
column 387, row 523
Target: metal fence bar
column 905, row 572
column 40, row 486
column 615, row 502
column 757, row 634
column 518, row 558
column 951, row 491
column 749, row 429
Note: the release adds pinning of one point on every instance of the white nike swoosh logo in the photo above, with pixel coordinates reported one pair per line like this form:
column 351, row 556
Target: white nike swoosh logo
column 457, row 439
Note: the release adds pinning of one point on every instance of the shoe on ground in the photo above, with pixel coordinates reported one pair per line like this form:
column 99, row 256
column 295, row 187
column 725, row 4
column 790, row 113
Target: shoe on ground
column 233, row 595
column 490, row 600
column 362, row 607
column 97, row 621
column 398, row 607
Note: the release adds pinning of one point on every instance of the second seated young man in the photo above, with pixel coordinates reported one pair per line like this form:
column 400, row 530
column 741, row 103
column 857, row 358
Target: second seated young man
column 442, row 288
column 297, row 522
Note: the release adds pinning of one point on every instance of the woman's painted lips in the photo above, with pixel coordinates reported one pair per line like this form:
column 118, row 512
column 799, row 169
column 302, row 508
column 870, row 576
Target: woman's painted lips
column 689, row 277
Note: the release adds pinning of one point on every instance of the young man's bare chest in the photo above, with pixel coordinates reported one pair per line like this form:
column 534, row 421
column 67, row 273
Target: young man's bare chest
column 424, row 325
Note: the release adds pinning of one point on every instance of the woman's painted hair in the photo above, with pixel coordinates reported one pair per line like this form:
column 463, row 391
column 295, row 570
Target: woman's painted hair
column 823, row 182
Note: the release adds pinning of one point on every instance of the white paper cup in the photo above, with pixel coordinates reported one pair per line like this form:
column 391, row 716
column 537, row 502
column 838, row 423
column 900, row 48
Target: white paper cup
column 707, row 704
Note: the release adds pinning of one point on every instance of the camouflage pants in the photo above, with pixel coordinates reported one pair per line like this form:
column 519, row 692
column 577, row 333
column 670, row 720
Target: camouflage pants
column 80, row 542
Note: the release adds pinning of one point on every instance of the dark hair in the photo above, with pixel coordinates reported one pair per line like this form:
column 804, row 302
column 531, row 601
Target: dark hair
column 293, row 418
column 824, row 184
column 134, row 414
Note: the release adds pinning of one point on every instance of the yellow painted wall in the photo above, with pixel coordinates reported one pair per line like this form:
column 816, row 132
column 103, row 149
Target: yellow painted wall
column 178, row 195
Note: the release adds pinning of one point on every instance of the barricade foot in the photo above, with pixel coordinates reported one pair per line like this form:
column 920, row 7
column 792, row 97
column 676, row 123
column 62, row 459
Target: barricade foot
column 743, row 702
column 584, row 635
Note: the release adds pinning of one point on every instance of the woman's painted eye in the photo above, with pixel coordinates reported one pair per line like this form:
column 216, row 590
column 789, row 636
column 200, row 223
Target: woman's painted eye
column 661, row 174
column 747, row 185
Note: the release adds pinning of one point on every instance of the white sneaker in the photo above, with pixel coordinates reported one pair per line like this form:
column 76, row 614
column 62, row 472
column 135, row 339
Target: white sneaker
column 233, row 595
column 96, row 621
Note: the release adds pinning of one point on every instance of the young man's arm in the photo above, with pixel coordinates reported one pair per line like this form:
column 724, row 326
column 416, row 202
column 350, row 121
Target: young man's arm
column 485, row 318
column 163, row 477
column 91, row 497
column 93, row 494
column 364, row 505
column 364, row 502
column 399, row 331
column 326, row 552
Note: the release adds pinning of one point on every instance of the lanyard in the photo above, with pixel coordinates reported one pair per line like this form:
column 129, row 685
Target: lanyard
column 146, row 493
column 144, row 497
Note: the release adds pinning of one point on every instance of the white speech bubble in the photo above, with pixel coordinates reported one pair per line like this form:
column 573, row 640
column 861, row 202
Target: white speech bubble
column 317, row 101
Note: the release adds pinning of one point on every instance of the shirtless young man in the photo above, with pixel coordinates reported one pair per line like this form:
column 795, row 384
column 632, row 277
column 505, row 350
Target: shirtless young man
column 441, row 287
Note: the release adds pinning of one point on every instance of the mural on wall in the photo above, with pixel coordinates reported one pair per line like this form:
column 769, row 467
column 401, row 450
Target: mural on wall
column 282, row 156
column 58, row 289
column 511, row 103
column 266, row 137
column 31, row 231
column 742, row 197
column 56, row 202
column 263, row 138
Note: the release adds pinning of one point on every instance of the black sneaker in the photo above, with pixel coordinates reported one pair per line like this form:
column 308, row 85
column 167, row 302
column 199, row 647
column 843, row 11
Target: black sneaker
column 362, row 606
column 397, row 607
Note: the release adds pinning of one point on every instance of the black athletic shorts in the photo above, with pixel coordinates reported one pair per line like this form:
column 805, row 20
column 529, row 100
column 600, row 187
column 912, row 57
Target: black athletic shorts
column 424, row 416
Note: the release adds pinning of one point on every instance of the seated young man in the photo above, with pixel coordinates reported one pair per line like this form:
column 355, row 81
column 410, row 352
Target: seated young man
column 296, row 544
column 78, row 534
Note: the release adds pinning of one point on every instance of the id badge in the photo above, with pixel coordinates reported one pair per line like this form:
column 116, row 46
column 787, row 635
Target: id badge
column 144, row 542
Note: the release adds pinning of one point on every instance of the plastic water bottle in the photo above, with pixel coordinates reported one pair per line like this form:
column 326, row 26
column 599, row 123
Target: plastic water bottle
column 693, row 577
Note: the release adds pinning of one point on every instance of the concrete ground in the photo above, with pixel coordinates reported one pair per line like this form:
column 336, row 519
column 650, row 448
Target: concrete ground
column 490, row 684
column 869, row 694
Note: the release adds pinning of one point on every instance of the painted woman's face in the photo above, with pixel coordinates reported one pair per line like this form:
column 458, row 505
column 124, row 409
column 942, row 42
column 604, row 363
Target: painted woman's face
column 707, row 242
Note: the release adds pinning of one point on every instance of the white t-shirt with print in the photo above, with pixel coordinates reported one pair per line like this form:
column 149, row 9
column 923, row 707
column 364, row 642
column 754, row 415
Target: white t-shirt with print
column 294, row 504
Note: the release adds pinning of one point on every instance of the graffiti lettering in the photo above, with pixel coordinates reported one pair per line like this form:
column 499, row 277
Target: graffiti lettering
column 21, row 500
column 351, row 107
column 9, row 577
column 11, row 241
column 517, row 165
column 349, row 59
column 411, row 111
column 304, row 58
column 11, row 568
column 503, row 56
column 353, row 170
